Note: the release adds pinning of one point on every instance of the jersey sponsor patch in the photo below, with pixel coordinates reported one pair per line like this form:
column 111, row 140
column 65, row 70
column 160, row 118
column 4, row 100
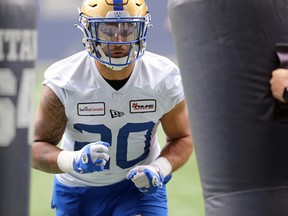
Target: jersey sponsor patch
column 142, row 106
column 91, row 109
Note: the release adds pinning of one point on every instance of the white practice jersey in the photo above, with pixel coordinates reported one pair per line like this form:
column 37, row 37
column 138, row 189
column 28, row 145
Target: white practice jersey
column 127, row 118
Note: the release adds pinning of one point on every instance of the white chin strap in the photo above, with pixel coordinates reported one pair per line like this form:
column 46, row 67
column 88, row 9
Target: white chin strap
column 114, row 61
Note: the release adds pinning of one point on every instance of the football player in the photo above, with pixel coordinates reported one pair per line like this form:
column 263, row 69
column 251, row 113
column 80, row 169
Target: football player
column 105, row 104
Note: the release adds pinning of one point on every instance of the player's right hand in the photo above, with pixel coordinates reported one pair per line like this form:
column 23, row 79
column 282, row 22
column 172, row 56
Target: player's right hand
column 91, row 158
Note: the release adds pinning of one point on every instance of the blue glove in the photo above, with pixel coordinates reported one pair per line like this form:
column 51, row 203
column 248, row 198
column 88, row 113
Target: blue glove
column 148, row 178
column 91, row 158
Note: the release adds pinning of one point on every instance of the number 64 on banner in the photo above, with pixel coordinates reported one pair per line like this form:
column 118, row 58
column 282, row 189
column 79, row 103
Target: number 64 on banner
column 15, row 116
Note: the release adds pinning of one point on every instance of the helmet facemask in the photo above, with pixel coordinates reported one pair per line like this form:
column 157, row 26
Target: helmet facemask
column 103, row 36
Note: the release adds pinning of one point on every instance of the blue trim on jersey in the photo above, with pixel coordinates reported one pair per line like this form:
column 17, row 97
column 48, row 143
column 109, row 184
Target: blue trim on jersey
column 118, row 5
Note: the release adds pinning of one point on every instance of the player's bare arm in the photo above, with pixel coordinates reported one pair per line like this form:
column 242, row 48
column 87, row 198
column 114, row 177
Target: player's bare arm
column 174, row 155
column 179, row 145
column 50, row 122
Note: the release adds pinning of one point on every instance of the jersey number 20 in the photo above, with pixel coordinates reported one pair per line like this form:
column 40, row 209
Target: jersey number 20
column 122, row 140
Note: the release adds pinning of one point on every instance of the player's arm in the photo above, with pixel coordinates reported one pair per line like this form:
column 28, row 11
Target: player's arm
column 176, row 126
column 49, row 126
column 176, row 152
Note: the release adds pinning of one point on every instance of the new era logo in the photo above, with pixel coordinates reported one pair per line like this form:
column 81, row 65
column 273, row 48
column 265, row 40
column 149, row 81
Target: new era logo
column 115, row 113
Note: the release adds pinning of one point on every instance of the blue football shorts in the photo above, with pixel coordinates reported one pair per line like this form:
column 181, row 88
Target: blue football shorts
column 120, row 199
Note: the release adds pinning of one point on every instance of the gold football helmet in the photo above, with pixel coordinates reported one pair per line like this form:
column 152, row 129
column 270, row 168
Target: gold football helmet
column 114, row 23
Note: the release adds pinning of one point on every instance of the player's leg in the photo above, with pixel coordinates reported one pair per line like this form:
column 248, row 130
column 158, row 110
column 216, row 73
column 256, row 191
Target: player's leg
column 65, row 200
column 122, row 198
column 133, row 202
column 88, row 201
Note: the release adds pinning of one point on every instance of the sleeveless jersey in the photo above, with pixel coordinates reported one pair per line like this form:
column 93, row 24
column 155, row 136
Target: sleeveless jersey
column 127, row 118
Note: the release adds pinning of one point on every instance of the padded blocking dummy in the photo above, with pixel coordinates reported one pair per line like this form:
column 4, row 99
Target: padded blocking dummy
column 226, row 51
column 18, row 52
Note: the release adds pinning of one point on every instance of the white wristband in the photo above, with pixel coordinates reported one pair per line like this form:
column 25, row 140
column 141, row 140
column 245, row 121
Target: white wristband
column 65, row 161
column 164, row 165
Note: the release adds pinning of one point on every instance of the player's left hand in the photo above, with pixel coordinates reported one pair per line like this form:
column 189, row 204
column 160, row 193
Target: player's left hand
column 147, row 178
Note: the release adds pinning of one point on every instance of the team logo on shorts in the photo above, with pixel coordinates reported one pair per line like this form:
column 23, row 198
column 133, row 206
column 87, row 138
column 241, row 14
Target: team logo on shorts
column 91, row 109
column 143, row 106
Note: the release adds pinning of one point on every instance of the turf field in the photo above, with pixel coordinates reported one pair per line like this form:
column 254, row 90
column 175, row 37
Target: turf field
column 184, row 190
